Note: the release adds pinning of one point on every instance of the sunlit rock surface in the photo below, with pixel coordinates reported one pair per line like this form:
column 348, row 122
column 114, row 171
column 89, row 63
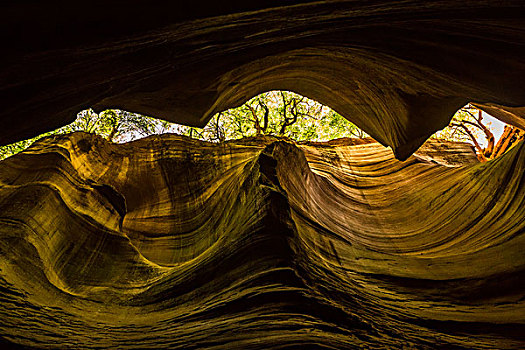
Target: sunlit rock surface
column 262, row 243
column 397, row 69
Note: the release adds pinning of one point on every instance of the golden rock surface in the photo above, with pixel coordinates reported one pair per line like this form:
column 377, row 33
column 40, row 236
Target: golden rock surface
column 168, row 242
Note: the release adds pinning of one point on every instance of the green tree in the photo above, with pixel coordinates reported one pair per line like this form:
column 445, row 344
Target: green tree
column 279, row 113
column 114, row 125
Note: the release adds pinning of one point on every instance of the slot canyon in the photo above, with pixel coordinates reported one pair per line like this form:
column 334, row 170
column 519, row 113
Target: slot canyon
column 389, row 242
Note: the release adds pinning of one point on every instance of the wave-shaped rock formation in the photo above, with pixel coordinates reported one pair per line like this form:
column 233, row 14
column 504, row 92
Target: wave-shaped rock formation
column 168, row 242
column 397, row 69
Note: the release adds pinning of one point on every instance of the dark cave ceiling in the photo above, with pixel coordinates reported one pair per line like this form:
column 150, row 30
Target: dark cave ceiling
column 260, row 243
column 397, row 69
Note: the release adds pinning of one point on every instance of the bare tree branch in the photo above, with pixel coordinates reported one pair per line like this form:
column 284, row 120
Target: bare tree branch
column 255, row 119
column 266, row 115
column 472, row 137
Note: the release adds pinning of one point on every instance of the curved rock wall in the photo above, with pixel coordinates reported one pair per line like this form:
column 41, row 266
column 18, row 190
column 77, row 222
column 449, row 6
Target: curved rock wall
column 168, row 242
column 399, row 70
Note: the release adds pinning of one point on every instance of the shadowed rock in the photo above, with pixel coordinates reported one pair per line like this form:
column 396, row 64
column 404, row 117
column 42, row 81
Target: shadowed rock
column 168, row 242
column 399, row 70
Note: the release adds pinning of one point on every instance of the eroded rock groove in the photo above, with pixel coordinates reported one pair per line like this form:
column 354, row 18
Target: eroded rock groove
column 260, row 243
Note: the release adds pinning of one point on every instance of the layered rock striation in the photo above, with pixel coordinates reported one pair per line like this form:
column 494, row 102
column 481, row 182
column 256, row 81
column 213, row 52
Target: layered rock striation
column 397, row 69
column 168, row 242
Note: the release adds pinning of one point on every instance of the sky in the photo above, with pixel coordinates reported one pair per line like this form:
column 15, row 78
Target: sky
column 494, row 125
